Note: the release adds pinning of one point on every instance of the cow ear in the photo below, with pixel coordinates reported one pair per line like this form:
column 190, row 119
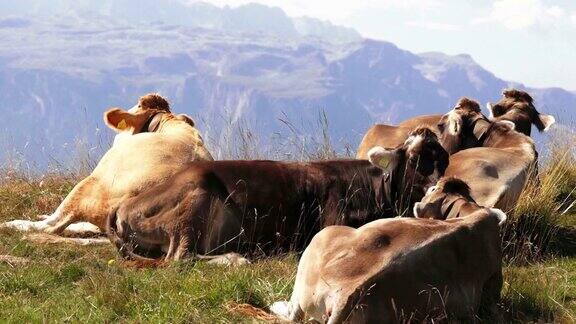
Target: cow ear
column 454, row 124
column 499, row 215
column 547, row 121
column 508, row 124
column 185, row 118
column 386, row 159
column 115, row 118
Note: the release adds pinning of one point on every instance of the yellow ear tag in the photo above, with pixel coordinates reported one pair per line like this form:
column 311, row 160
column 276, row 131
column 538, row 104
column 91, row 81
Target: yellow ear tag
column 384, row 162
column 122, row 124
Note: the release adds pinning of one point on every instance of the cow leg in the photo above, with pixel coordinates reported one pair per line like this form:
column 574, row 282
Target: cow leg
column 82, row 229
column 29, row 226
column 172, row 249
column 288, row 310
column 25, row 225
column 58, row 224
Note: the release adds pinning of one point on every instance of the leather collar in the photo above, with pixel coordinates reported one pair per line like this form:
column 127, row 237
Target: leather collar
column 480, row 129
column 451, row 207
column 153, row 122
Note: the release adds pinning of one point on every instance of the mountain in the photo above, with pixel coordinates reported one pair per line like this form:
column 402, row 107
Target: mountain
column 253, row 66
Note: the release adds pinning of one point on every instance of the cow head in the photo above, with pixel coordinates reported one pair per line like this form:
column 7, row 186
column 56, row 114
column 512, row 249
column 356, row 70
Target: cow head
column 518, row 107
column 443, row 200
column 420, row 162
column 463, row 127
column 146, row 116
column 450, row 198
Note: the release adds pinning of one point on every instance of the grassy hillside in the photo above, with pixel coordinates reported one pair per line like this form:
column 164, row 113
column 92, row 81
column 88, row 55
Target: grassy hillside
column 70, row 283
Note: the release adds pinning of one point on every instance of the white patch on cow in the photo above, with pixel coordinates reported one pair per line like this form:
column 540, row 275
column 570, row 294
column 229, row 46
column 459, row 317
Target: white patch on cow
column 379, row 156
column 490, row 107
column 43, row 238
column 413, row 141
column 82, row 228
column 53, row 219
column 25, row 225
column 133, row 109
column 374, row 153
column 431, row 189
column 454, row 122
column 282, row 309
column 547, row 120
column 499, row 214
column 509, row 124
column 415, row 209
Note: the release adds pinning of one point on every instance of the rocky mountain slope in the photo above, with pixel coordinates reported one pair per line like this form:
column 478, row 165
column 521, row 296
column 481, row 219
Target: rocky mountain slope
column 63, row 64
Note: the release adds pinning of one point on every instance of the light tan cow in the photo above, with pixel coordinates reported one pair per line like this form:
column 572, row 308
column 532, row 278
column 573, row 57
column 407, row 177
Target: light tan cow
column 152, row 144
column 399, row 270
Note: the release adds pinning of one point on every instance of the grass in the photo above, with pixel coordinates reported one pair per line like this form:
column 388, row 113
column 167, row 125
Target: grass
column 87, row 284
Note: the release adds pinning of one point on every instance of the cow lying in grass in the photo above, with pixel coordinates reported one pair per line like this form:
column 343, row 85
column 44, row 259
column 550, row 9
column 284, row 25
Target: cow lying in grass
column 403, row 269
column 515, row 106
column 152, row 144
column 498, row 170
column 267, row 206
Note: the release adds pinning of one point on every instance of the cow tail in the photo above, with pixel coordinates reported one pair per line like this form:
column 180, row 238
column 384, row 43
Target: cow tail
column 112, row 230
column 126, row 248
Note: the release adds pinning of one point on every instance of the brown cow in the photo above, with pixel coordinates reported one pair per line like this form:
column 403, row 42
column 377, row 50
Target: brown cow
column 267, row 206
column 518, row 107
column 497, row 171
column 152, row 144
column 389, row 136
column 399, row 270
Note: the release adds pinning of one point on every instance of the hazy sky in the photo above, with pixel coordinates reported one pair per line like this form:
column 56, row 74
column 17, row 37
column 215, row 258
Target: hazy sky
column 529, row 41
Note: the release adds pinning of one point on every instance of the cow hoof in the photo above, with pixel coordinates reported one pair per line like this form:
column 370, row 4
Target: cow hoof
column 281, row 309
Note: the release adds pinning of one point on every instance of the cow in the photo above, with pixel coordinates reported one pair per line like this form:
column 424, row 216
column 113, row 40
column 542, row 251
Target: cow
column 389, row 136
column 152, row 144
column 400, row 270
column 516, row 106
column 449, row 198
column 270, row 206
column 499, row 168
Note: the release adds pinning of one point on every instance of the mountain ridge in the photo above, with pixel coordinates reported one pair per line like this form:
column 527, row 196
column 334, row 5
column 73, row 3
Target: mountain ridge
column 59, row 74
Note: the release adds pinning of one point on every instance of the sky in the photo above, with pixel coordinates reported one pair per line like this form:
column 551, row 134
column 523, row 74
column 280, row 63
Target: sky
column 528, row 41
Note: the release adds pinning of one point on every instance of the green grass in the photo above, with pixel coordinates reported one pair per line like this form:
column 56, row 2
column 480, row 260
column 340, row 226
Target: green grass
column 79, row 284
